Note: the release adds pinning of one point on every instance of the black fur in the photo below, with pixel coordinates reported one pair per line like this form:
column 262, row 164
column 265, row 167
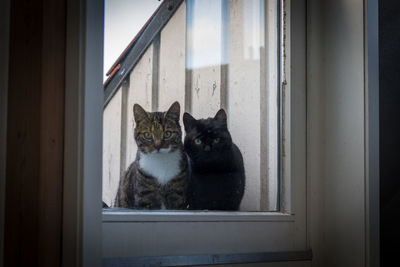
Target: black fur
column 217, row 173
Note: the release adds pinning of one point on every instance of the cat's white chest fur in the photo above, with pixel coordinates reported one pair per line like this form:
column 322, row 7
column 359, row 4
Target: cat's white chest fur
column 163, row 165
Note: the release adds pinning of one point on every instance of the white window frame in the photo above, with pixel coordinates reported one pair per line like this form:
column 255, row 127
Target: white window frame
column 84, row 98
column 121, row 235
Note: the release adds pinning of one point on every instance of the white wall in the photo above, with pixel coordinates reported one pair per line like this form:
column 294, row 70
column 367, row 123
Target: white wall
column 336, row 125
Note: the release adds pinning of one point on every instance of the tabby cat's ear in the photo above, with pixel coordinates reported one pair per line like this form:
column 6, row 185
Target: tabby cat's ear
column 174, row 111
column 221, row 115
column 188, row 121
column 139, row 113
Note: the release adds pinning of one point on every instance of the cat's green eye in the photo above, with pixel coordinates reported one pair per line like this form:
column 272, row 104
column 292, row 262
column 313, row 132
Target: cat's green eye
column 147, row 135
column 216, row 140
column 197, row 141
column 167, row 134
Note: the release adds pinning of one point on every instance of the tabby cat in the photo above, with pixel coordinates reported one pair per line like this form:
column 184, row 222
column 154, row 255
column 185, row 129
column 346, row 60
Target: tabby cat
column 217, row 177
column 157, row 179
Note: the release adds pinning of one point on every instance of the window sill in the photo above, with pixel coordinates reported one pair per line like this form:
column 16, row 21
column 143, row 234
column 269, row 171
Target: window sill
column 126, row 215
column 246, row 258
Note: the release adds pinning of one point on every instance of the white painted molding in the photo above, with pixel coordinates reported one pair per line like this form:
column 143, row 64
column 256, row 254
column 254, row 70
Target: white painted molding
column 81, row 241
column 121, row 215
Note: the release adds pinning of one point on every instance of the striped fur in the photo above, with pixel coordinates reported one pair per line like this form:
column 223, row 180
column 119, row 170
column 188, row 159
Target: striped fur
column 159, row 139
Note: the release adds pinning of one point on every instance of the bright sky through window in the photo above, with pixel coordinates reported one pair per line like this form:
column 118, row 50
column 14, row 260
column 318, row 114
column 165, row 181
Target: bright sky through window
column 123, row 19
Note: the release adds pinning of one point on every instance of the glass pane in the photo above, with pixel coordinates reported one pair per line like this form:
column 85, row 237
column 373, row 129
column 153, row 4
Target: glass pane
column 230, row 67
column 211, row 55
column 123, row 19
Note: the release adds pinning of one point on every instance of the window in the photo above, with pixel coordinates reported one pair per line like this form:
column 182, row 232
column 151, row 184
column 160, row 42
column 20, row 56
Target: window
column 138, row 234
column 210, row 55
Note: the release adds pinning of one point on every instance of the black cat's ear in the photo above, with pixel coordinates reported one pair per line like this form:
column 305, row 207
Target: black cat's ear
column 174, row 111
column 188, row 121
column 221, row 115
column 139, row 113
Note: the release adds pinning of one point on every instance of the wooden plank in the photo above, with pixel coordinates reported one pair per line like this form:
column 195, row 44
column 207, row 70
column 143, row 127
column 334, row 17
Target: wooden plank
column 155, row 72
column 244, row 94
column 4, row 55
column 204, row 56
column 23, row 135
column 206, row 91
column 111, row 148
column 119, row 146
column 124, row 125
column 172, row 61
column 35, row 132
column 52, row 133
column 237, row 88
column 140, row 91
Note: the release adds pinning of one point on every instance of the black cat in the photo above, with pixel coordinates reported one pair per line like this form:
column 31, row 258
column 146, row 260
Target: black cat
column 217, row 173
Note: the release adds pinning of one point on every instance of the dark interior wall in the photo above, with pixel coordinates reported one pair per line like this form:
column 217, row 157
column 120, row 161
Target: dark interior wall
column 35, row 133
column 389, row 119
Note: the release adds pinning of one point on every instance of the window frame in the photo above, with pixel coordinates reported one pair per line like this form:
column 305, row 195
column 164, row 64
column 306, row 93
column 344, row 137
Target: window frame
column 81, row 225
column 293, row 208
column 279, row 231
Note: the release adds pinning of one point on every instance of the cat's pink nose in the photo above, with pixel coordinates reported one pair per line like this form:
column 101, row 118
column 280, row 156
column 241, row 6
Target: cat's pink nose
column 157, row 144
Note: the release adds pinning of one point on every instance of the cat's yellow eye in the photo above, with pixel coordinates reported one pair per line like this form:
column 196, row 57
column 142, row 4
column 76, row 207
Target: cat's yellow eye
column 216, row 140
column 167, row 134
column 147, row 135
column 197, row 141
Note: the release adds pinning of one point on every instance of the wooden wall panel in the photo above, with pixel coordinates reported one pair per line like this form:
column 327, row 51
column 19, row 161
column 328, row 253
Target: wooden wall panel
column 111, row 148
column 23, row 136
column 4, row 55
column 205, row 91
column 204, row 58
column 52, row 132
column 244, row 102
column 171, row 85
column 119, row 146
column 141, row 92
column 35, row 134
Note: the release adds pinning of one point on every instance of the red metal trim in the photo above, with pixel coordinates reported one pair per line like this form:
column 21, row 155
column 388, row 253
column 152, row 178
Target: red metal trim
column 112, row 74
